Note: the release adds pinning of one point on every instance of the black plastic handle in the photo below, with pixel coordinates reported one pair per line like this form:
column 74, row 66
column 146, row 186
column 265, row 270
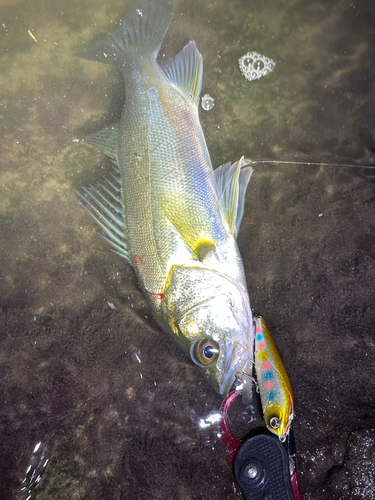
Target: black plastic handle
column 262, row 469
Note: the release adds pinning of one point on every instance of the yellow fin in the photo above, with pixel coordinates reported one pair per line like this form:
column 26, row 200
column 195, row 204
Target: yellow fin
column 196, row 232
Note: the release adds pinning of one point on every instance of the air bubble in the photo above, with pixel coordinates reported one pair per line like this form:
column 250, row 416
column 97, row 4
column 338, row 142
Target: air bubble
column 207, row 102
column 248, row 61
column 258, row 65
column 254, row 65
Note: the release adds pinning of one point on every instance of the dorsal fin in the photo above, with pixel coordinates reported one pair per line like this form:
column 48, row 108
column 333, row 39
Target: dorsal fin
column 105, row 140
column 186, row 71
column 231, row 182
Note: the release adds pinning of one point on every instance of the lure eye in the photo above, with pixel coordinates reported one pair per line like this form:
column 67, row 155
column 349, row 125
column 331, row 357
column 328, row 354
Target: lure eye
column 205, row 351
column 275, row 422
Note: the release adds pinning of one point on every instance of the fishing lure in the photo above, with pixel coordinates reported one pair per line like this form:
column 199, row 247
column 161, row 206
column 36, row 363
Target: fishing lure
column 273, row 382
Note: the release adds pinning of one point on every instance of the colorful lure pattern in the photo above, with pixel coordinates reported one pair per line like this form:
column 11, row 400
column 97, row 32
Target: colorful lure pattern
column 274, row 386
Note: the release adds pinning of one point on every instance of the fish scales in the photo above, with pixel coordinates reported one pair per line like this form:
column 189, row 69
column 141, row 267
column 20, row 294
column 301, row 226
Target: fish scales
column 155, row 146
column 178, row 218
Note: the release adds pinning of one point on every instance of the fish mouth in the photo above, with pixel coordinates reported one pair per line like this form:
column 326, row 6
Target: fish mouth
column 238, row 363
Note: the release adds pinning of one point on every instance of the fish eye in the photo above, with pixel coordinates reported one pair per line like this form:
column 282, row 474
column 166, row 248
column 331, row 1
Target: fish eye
column 205, row 351
column 275, row 422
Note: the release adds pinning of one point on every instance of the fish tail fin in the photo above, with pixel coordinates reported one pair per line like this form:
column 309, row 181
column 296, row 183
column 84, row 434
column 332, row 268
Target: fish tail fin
column 141, row 31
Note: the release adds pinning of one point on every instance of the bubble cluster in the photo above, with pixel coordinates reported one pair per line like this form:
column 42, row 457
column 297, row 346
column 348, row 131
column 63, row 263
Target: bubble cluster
column 207, row 102
column 254, row 65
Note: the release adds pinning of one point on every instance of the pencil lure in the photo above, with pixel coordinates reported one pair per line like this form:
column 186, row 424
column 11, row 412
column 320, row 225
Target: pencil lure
column 274, row 386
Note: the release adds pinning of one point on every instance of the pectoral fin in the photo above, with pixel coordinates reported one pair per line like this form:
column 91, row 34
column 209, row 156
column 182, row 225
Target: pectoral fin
column 232, row 181
column 195, row 230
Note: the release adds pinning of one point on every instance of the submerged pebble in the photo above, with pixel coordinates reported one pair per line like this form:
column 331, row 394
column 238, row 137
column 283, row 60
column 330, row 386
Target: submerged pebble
column 207, row 102
column 254, row 65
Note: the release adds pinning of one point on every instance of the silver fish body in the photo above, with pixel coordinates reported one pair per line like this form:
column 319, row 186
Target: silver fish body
column 165, row 209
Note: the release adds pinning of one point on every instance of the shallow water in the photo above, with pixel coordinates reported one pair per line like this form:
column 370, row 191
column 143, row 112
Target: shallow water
column 74, row 324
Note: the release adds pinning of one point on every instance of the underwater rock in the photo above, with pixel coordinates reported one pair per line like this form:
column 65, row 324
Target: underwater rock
column 356, row 476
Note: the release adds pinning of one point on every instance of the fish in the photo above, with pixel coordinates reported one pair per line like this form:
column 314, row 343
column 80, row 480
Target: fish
column 274, row 387
column 165, row 210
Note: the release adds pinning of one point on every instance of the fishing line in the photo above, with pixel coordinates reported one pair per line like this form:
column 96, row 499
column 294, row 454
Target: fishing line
column 254, row 162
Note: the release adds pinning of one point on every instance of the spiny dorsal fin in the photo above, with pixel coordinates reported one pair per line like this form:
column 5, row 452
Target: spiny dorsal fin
column 232, row 181
column 105, row 140
column 186, row 71
column 104, row 203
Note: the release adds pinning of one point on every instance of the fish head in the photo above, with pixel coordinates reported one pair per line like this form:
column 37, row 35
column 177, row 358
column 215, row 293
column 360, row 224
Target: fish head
column 212, row 323
column 278, row 419
column 218, row 335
